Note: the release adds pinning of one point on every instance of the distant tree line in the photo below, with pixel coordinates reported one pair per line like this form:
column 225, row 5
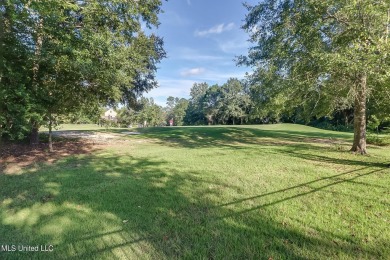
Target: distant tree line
column 229, row 103
column 239, row 102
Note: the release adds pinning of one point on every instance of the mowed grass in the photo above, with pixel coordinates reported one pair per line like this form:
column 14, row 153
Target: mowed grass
column 246, row 192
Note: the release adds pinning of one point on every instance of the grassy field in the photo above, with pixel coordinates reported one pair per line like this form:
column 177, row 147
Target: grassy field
column 250, row 192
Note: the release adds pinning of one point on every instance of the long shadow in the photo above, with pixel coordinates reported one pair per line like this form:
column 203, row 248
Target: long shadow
column 235, row 137
column 126, row 207
column 292, row 143
column 334, row 181
column 295, row 151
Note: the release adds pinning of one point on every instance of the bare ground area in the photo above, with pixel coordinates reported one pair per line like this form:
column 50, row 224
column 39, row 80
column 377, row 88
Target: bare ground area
column 15, row 157
column 92, row 136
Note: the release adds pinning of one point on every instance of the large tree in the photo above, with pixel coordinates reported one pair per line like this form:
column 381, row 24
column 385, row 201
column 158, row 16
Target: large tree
column 77, row 55
column 212, row 104
column 14, row 94
column 195, row 111
column 320, row 54
column 234, row 101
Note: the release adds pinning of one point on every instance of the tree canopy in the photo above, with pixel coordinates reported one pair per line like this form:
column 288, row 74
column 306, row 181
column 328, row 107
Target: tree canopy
column 62, row 56
column 321, row 56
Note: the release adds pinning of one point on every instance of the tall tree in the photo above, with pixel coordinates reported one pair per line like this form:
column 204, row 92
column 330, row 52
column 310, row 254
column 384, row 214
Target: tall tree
column 79, row 54
column 176, row 109
column 309, row 52
column 234, row 101
column 195, row 112
column 212, row 104
column 15, row 101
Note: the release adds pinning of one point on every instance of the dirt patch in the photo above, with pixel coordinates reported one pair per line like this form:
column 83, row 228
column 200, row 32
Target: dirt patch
column 96, row 137
column 16, row 157
column 322, row 140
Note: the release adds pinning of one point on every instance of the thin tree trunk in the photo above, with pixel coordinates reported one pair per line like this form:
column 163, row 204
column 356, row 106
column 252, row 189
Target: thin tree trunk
column 50, row 134
column 345, row 118
column 5, row 30
column 34, row 137
column 359, row 140
column 37, row 52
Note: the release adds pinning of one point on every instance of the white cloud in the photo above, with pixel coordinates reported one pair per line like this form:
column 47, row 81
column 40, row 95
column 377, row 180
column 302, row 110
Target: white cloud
column 185, row 53
column 192, row 72
column 171, row 87
column 217, row 29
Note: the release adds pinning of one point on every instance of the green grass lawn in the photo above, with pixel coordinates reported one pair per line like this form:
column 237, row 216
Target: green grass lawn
column 246, row 192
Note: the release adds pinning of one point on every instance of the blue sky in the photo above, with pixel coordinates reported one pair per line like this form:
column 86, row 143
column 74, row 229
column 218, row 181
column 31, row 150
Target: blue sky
column 201, row 37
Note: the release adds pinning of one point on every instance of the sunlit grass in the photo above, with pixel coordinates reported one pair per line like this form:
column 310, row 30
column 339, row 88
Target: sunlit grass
column 250, row 192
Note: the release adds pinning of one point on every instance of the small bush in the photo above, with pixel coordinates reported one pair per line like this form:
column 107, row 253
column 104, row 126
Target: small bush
column 326, row 125
column 378, row 140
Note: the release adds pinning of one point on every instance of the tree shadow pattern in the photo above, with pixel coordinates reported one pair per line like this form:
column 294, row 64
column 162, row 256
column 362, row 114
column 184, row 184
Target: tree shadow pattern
column 104, row 207
column 142, row 208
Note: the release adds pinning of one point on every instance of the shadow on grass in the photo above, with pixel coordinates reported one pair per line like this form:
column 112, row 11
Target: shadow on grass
column 126, row 207
column 200, row 137
column 313, row 186
column 308, row 145
column 303, row 152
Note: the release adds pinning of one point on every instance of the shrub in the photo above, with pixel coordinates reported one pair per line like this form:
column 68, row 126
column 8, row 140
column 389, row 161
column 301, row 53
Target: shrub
column 378, row 140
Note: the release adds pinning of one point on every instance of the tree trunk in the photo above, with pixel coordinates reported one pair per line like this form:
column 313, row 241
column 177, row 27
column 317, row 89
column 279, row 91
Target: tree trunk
column 359, row 119
column 346, row 121
column 34, row 137
column 50, row 134
column 37, row 53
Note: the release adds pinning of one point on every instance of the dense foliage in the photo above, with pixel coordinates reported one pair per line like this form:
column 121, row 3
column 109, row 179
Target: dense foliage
column 61, row 57
column 321, row 57
column 146, row 113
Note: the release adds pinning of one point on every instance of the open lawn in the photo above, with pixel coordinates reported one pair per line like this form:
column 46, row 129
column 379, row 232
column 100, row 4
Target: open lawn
column 245, row 192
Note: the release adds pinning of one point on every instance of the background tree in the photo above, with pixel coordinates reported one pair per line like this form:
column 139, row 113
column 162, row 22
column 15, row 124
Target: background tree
column 212, row 104
column 195, row 112
column 151, row 114
column 234, row 101
column 127, row 117
column 311, row 51
column 176, row 109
